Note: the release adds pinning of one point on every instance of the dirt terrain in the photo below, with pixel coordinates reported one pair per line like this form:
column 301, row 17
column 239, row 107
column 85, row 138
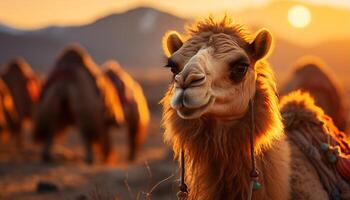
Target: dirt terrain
column 153, row 174
column 20, row 174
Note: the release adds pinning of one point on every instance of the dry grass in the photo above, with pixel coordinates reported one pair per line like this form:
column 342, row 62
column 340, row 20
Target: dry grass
column 99, row 193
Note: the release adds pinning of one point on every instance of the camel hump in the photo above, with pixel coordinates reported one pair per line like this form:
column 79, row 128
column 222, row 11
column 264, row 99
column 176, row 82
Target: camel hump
column 310, row 62
column 18, row 65
column 299, row 103
column 312, row 66
column 328, row 93
column 17, row 62
column 73, row 54
column 111, row 66
column 298, row 110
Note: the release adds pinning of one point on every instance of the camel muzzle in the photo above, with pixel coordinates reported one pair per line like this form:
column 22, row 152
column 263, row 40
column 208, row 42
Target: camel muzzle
column 190, row 91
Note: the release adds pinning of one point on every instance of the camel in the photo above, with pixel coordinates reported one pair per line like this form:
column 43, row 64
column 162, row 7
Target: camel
column 8, row 114
column 133, row 102
column 76, row 93
column 222, row 117
column 313, row 75
column 24, row 87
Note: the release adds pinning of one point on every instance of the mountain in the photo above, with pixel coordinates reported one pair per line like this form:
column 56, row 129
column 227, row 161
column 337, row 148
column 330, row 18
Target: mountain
column 8, row 29
column 39, row 50
column 134, row 39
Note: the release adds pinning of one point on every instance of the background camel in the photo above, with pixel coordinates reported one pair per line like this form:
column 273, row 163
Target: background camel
column 133, row 102
column 77, row 93
column 8, row 114
column 24, row 87
column 311, row 74
column 222, row 92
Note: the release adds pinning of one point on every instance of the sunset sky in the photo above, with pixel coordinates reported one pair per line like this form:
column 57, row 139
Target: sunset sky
column 29, row 14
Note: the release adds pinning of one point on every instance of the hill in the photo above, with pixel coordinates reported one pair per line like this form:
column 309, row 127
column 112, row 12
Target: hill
column 134, row 39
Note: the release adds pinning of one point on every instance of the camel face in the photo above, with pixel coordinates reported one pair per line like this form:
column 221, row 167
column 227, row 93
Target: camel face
column 216, row 76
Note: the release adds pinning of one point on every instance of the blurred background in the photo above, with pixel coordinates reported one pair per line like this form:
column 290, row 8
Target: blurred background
column 130, row 31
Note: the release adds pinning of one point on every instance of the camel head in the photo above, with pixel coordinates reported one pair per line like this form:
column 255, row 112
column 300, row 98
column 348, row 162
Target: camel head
column 214, row 69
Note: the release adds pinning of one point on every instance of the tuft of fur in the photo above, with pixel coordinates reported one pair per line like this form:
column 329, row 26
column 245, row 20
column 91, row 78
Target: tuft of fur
column 226, row 26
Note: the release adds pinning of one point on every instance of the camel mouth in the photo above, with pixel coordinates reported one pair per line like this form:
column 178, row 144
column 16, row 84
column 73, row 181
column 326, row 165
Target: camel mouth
column 194, row 113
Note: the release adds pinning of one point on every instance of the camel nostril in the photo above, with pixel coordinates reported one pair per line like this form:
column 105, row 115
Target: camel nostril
column 178, row 79
column 200, row 80
column 194, row 80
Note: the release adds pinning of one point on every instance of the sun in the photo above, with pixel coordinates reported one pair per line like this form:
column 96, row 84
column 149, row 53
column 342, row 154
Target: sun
column 299, row 16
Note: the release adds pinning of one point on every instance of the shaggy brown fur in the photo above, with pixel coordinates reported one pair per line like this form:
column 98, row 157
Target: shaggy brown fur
column 24, row 87
column 217, row 153
column 77, row 93
column 312, row 75
column 133, row 102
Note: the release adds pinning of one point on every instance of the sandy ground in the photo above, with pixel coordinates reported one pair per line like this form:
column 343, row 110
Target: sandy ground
column 153, row 174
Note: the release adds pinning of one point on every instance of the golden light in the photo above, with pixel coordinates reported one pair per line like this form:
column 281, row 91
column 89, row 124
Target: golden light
column 299, row 16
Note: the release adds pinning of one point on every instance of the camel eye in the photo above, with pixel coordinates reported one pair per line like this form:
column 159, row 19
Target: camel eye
column 173, row 66
column 238, row 72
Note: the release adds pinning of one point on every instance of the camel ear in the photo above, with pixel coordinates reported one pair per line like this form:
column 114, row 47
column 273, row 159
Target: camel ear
column 261, row 44
column 171, row 42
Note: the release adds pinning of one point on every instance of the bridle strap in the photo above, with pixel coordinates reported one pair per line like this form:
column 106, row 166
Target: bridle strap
column 183, row 186
column 251, row 135
column 254, row 174
column 183, row 192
